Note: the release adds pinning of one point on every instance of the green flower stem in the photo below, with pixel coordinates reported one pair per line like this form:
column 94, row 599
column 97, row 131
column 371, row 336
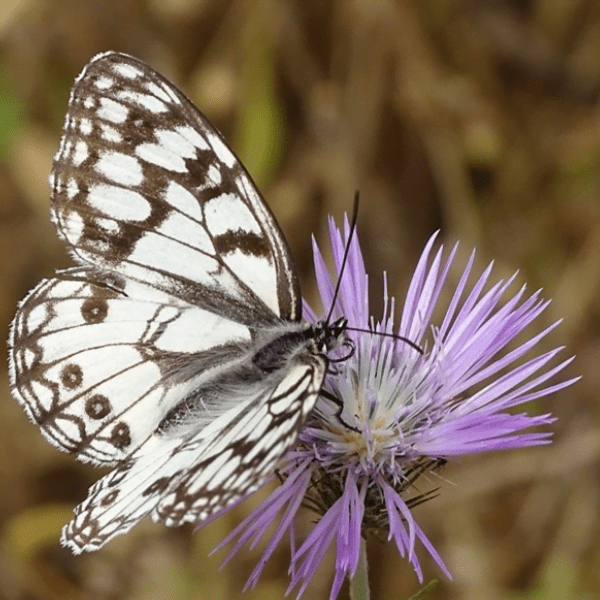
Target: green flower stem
column 359, row 583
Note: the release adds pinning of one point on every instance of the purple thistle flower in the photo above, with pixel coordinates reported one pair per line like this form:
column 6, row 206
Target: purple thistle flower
column 403, row 412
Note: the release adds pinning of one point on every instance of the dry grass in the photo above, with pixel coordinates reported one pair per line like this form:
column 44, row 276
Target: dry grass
column 476, row 117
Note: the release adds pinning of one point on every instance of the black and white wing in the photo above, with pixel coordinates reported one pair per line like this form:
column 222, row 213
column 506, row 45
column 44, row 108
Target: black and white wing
column 179, row 481
column 98, row 370
column 146, row 188
column 183, row 270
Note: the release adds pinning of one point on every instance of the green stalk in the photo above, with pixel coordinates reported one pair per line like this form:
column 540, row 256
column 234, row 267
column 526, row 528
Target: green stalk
column 359, row 583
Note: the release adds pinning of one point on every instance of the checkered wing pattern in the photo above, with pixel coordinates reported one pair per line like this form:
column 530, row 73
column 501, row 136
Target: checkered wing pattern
column 174, row 352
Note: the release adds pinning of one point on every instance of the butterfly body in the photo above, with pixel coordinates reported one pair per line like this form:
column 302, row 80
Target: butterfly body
column 175, row 351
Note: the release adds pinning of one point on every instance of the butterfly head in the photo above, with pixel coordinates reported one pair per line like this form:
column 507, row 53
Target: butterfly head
column 331, row 335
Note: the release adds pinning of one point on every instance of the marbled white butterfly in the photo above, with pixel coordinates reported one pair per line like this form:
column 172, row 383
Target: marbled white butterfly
column 174, row 352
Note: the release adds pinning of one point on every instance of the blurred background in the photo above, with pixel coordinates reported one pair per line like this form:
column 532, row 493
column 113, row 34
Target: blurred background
column 479, row 118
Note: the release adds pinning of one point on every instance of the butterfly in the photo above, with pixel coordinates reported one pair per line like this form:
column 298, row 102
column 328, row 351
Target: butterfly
column 174, row 352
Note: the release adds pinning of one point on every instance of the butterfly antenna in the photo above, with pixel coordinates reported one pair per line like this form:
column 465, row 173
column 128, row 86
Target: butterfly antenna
column 400, row 338
column 346, row 252
column 339, row 281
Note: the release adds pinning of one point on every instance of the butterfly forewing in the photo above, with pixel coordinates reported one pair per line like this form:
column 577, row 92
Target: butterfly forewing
column 175, row 352
column 144, row 186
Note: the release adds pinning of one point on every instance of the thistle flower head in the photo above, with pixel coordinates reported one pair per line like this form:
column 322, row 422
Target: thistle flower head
column 395, row 410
